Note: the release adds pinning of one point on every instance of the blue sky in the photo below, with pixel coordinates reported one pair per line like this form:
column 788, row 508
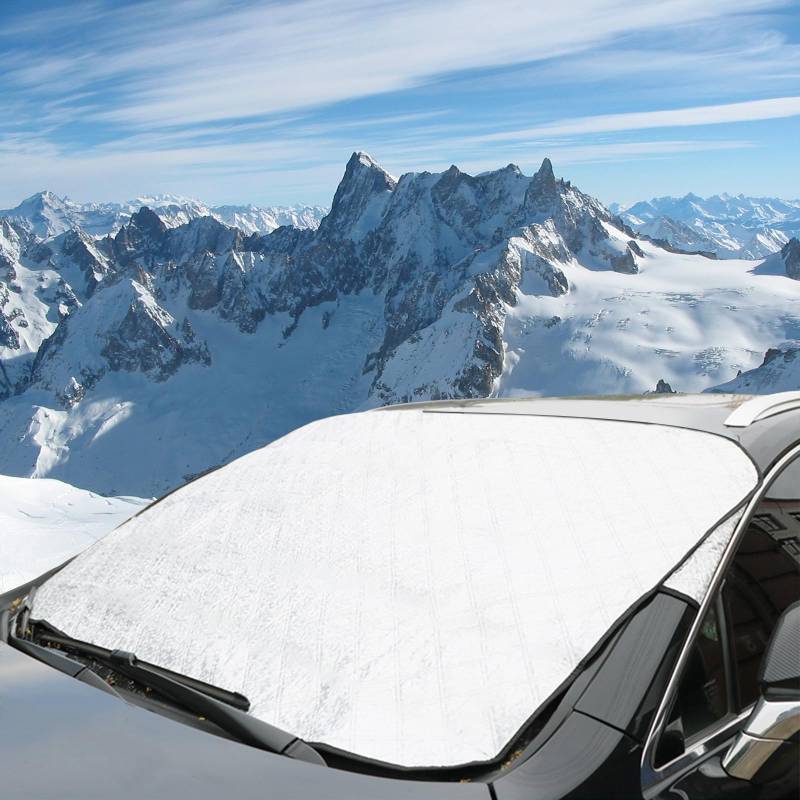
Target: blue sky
column 263, row 102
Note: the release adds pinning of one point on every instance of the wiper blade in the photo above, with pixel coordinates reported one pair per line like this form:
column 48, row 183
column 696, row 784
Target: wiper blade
column 247, row 729
column 46, row 633
column 217, row 705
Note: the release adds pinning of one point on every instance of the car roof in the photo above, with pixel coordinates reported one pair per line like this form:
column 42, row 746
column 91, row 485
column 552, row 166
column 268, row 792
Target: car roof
column 409, row 585
column 764, row 440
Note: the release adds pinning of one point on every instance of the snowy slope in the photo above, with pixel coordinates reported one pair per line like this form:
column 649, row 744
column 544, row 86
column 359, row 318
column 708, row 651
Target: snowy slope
column 183, row 347
column 730, row 226
column 45, row 522
column 46, row 214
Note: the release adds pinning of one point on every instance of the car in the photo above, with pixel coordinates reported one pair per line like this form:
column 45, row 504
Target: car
column 508, row 599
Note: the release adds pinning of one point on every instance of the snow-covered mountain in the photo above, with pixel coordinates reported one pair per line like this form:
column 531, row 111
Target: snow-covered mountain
column 729, row 226
column 135, row 361
column 44, row 214
column 45, row 522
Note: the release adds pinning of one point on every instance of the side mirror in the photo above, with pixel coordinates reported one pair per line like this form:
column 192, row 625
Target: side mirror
column 776, row 717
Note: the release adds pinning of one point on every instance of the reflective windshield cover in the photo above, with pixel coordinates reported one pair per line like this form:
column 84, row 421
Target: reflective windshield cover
column 407, row 585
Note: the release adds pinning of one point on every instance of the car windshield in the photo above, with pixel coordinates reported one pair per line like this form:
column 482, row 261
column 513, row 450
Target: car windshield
column 405, row 585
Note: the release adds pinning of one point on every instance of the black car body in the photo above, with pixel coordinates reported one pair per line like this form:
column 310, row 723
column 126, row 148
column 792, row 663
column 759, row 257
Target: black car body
column 680, row 698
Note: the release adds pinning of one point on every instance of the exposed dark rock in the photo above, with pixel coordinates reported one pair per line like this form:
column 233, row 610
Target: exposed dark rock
column 787, row 353
column 544, row 181
column 142, row 239
column 145, row 341
column 662, row 387
column 8, row 335
column 790, row 253
column 625, row 262
column 202, row 275
column 73, row 392
column 633, row 246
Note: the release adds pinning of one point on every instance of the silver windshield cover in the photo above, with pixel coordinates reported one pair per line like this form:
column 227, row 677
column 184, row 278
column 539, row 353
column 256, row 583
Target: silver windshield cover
column 406, row 585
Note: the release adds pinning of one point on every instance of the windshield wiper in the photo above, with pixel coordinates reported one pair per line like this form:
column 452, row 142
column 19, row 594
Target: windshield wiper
column 225, row 709
column 45, row 633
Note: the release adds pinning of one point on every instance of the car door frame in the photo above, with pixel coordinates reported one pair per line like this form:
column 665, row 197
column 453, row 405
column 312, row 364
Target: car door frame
column 655, row 779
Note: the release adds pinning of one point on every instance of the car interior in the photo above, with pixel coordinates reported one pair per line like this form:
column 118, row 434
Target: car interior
column 720, row 680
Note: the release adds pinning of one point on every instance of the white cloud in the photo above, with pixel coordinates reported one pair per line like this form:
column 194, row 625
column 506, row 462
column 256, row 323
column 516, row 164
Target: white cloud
column 171, row 67
column 214, row 98
column 751, row 110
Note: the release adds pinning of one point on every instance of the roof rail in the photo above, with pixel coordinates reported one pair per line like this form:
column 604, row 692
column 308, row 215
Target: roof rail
column 762, row 407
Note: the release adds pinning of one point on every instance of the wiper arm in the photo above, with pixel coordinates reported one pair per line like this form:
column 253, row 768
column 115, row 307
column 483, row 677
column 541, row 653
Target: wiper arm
column 188, row 693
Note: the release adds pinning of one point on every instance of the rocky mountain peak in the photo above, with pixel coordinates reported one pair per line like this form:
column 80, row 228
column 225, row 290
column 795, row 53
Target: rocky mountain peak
column 449, row 181
column 545, row 171
column 80, row 249
column 147, row 221
column 140, row 238
column 543, row 187
column 43, row 213
column 361, row 166
column 545, row 179
column 365, row 159
column 42, row 200
column 364, row 187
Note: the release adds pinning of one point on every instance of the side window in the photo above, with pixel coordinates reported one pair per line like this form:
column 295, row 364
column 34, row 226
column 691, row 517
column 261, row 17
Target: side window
column 721, row 676
column 762, row 582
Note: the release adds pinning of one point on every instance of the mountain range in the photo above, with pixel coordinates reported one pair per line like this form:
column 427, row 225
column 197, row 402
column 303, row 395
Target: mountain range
column 133, row 360
column 724, row 225
column 45, row 214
